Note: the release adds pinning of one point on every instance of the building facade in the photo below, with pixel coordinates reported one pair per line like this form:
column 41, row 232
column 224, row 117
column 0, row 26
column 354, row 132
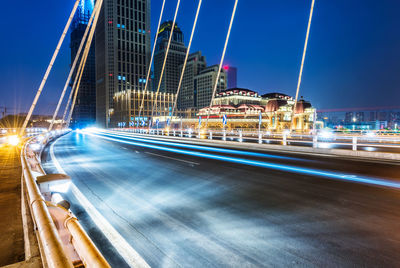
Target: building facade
column 205, row 82
column 187, row 98
column 243, row 108
column 127, row 104
column 175, row 58
column 84, row 113
column 122, row 52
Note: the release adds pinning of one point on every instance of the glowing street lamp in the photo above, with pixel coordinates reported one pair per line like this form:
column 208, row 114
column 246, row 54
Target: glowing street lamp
column 13, row 140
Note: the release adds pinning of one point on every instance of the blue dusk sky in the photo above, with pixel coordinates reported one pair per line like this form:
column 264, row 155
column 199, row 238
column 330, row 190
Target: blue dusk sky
column 353, row 57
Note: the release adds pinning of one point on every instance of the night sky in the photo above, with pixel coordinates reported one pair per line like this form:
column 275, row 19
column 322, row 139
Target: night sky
column 353, row 58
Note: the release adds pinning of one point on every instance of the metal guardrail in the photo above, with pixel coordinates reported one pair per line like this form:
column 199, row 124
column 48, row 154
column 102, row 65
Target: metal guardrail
column 62, row 240
column 322, row 139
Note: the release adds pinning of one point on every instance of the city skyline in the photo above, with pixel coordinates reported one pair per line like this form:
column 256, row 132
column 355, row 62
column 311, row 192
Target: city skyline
column 361, row 62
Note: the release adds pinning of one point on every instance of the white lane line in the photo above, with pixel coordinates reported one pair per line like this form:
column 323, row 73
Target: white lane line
column 131, row 257
column 173, row 158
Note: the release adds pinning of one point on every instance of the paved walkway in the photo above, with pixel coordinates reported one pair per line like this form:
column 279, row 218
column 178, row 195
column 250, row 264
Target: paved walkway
column 11, row 234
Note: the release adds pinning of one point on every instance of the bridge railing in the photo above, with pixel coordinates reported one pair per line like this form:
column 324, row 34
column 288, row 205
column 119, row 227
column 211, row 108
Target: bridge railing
column 62, row 240
column 368, row 141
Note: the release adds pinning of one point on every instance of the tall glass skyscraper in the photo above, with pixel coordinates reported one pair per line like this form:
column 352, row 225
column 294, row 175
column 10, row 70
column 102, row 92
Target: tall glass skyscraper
column 122, row 52
column 84, row 113
column 176, row 56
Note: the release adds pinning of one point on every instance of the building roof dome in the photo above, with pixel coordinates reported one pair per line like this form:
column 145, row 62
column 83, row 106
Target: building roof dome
column 273, row 105
column 276, row 95
column 301, row 106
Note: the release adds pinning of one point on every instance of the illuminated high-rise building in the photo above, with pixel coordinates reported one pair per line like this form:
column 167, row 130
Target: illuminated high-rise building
column 122, row 52
column 84, row 113
column 231, row 73
column 176, row 57
column 188, row 93
column 205, row 82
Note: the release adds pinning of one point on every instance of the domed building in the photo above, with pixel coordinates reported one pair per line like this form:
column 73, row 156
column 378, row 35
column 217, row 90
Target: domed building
column 243, row 108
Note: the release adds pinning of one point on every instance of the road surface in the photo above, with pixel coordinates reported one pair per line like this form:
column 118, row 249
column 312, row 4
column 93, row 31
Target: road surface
column 188, row 206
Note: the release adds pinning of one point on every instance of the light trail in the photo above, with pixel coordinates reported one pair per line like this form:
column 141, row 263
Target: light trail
column 131, row 257
column 204, row 148
column 280, row 167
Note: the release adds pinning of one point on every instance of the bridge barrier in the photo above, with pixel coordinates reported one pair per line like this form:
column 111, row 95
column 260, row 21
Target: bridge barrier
column 62, row 240
column 368, row 145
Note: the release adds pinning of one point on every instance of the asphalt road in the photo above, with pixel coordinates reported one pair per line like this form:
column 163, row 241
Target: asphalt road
column 192, row 207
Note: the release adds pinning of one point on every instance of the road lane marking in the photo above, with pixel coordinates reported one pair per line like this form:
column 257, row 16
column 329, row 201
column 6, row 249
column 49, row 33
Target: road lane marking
column 131, row 257
column 173, row 158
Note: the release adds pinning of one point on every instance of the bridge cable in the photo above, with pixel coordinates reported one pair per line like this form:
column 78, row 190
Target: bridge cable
column 83, row 61
column 165, row 60
column 73, row 69
column 186, row 58
column 302, row 64
column 60, row 42
column 222, row 61
column 151, row 59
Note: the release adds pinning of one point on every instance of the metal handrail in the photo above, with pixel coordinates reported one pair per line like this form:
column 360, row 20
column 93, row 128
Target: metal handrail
column 51, row 245
column 48, row 237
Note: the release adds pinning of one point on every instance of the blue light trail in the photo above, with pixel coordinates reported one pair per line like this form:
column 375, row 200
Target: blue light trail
column 280, row 167
column 198, row 147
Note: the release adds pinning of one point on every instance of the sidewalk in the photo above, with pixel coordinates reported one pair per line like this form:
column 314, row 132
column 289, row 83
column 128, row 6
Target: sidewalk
column 11, row 234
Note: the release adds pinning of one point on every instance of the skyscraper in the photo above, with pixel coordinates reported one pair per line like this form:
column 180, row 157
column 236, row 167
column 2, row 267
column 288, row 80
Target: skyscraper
column 176, row 57
column 205, row 82
column 122, row 52
column 188, row 93
column 231, row 73
column 84, row 113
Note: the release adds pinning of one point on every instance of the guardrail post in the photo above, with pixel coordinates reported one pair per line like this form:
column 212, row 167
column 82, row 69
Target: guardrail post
column 354, row 143
column 315, row 141
column 181, row 133
column 174, row 133
column 284, row 139
column 162, row 132
column 210, row 136
column 240, row 136
column 224, row 135
column 260, row 137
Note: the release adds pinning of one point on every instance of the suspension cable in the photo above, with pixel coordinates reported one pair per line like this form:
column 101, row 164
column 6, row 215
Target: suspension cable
column 222, row 60
column 73, row 67
column 302, row 64
column 83, row 61
column 165, row 60
column 152, row 57
column 186, row 58
column 60, row 42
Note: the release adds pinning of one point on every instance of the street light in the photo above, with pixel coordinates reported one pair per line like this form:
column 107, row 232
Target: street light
column 13, row 140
